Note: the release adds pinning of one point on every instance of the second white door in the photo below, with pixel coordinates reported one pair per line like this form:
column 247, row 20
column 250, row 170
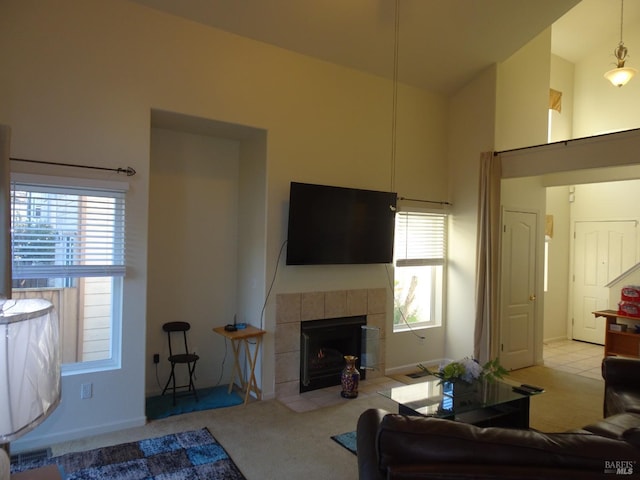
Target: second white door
column 602, row 251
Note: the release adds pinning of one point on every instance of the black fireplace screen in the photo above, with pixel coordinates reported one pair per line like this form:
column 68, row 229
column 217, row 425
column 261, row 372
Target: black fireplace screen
column 323, row 345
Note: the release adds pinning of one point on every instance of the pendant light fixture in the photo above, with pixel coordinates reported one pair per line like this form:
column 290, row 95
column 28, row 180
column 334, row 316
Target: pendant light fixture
column 620, row 75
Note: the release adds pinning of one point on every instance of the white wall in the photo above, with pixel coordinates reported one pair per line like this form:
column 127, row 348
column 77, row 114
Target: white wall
column 80, row 88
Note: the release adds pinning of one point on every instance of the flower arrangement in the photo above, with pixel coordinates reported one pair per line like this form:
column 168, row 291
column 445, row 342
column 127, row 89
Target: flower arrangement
column 468, row 370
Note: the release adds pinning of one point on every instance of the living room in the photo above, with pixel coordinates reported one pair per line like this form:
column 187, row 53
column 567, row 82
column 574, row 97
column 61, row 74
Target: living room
column 121, row 84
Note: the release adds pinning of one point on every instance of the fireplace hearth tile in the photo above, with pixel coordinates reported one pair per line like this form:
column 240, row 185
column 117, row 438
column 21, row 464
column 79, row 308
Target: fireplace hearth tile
column 356, row 302
column 377, row 321
column 377, row 300
column 313, row 306
column 288, row 307
column 288, row 389
column 288, row 367
column 287, row 337
column 335, row 304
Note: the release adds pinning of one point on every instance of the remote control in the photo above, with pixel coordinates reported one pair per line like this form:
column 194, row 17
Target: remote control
column 532, row 387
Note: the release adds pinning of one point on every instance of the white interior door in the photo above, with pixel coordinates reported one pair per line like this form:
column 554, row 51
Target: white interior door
column 518, row 292
column 602, row 251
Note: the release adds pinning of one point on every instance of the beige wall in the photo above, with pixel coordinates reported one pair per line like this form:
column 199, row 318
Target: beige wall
column 523, row 95
column 562, row 81
column 600, row 107
column 471, row 121
column 80, row 87
column 556, row 298
column 192, row 252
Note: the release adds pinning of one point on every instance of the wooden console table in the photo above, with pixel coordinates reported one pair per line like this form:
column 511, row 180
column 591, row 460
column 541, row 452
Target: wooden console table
column 625, row 344
column 241, row 338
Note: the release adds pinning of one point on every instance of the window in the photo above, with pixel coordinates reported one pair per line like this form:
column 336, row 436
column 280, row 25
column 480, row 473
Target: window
column 420, row 256
column 68, row 247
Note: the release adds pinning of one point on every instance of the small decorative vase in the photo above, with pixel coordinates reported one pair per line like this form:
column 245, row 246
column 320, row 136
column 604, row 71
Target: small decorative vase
column 350, row 378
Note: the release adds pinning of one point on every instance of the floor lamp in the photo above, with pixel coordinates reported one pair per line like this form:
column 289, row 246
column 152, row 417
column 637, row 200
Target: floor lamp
column 30, row 384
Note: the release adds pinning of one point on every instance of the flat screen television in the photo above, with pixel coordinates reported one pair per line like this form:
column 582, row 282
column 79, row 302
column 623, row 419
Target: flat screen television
column 336, row 225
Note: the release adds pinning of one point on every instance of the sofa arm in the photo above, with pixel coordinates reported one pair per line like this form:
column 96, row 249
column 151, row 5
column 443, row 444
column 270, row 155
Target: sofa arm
column 366, row 439
column 621, row 371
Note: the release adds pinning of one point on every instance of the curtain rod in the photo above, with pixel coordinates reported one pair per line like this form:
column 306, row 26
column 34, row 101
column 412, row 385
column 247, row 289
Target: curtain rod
column 425, row 201
column 566, row 142
column 129, row 170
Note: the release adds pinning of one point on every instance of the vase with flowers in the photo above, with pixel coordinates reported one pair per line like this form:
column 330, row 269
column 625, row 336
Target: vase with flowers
column 468, row 370
column 463, row 379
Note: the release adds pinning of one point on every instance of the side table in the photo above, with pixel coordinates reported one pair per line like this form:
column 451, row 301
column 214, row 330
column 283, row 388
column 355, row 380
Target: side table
column 241, row 338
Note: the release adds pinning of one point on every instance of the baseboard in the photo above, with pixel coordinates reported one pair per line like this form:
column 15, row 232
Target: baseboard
column 47, row 440
column 412, row 367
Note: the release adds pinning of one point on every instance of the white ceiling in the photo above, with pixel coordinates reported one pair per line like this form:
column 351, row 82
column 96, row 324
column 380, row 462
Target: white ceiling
column 442, row 45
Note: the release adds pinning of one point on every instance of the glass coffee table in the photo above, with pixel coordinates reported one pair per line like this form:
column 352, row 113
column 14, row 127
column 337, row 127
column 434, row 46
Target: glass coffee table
column 488, row 404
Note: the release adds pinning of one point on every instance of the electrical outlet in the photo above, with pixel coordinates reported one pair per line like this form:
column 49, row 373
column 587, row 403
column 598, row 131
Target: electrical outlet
column 156, row 358
column 86, row 391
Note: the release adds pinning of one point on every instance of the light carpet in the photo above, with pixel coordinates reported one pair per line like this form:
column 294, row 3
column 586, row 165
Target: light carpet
column 268, row 440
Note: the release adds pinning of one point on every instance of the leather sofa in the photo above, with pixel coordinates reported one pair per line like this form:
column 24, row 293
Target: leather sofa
column 393, row 446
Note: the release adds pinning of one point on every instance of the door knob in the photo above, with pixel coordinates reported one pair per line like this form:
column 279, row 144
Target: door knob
column 532, row 297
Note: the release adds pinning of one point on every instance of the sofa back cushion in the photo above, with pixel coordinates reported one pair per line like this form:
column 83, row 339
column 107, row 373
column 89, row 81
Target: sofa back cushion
column 419, row 440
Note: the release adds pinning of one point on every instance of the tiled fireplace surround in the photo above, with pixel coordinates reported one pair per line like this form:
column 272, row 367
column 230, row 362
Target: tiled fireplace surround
column 294, row 308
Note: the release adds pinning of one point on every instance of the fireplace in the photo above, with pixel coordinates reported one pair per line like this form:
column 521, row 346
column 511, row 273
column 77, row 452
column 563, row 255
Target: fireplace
column 294, row 309
column 323, row 345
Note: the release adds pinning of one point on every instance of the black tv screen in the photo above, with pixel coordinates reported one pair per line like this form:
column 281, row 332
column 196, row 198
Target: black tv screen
column 335, row 225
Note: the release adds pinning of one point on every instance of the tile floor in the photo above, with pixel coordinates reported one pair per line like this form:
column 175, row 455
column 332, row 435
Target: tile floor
column 567, row 355
column 576, row 357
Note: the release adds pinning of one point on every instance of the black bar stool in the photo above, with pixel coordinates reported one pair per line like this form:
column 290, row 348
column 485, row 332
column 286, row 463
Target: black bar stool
column 185, row 358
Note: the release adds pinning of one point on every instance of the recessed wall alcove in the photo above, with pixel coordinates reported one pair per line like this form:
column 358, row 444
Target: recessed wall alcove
column 294, row 308
column 207, row 235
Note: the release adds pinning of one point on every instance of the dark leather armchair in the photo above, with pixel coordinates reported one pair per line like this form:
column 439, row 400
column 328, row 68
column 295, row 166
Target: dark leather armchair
column 392, row 446
column 621, row 385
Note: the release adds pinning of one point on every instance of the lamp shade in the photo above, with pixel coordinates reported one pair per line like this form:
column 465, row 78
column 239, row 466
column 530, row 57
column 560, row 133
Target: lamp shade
column 30, row 383
column 620, row 76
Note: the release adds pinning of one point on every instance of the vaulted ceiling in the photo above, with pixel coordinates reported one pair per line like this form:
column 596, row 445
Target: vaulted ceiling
column 442, row 44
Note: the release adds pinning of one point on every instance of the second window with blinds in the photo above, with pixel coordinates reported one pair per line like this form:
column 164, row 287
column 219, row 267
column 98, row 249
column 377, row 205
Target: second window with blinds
column 419, row 260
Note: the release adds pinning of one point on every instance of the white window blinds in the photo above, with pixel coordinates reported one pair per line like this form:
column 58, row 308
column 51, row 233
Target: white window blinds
column 67, row 231
column 420, row 239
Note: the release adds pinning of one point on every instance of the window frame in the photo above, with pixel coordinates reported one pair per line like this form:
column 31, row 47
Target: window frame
column 106, row 188
column 438, row 281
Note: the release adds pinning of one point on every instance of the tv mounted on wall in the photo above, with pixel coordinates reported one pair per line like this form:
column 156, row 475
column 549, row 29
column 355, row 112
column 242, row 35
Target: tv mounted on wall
column 336, row 225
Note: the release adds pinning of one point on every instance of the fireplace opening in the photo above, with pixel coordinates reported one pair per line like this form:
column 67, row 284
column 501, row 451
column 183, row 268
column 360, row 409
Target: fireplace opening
column 323, row 345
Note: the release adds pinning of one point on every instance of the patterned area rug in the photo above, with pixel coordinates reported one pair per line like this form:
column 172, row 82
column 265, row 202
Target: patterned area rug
column 180, row 456
column 347, row 440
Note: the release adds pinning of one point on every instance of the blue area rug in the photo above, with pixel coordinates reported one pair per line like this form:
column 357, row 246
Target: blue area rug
column 180, row 456
column 208, row 398
column 347, row 440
